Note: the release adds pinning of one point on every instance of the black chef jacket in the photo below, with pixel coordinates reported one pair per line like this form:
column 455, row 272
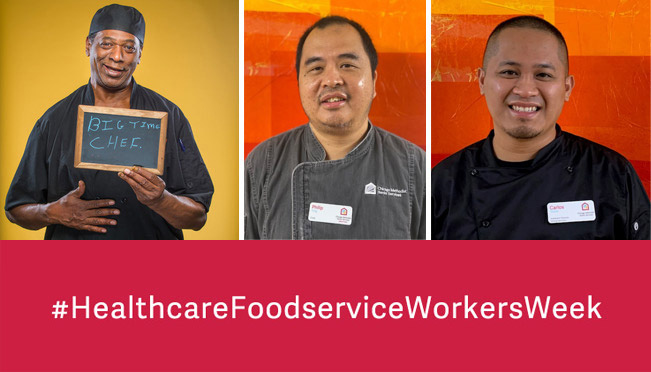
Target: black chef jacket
column 382, row 182
column 475, row 196
column 46, row 171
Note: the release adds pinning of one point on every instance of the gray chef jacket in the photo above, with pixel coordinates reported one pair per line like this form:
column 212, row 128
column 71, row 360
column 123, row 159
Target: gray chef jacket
column 476, row 196
column 382, row 180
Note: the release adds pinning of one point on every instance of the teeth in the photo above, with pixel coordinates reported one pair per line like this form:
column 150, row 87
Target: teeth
column 525, row 109
column 334, row 99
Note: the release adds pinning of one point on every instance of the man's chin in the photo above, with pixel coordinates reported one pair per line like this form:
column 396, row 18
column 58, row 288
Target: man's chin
column 113, row 84
column 523, row 131
column 334, row 125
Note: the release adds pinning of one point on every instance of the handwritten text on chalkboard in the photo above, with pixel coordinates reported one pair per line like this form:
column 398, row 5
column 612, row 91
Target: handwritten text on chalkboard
column 114, row 141
column 111, row 139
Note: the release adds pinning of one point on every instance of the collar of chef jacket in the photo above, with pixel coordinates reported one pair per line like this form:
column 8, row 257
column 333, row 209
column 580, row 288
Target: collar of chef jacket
column 316, row 152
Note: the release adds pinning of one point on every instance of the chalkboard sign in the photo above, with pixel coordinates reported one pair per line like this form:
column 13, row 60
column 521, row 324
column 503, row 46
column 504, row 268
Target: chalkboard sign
column 113, row 139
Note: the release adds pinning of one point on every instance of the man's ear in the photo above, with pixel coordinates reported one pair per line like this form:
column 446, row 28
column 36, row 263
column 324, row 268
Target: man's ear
column 374, row 81
column 569, row 85
column 139, row 51
column 481, row 75
column 89, row 44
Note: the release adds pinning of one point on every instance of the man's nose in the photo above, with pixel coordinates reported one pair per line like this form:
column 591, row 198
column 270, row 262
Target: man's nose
column 526, row 86
column 332, row 76
column 116, row 53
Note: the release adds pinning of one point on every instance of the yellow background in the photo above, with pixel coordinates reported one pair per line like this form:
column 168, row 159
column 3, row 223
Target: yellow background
column 190, row 56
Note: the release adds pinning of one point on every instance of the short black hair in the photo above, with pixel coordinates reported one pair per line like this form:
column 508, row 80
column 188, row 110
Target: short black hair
column 322, row 23
column 531, row 22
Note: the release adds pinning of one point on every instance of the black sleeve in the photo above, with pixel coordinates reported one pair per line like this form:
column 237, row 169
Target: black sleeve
column 30, row 181
column 638, row 200
column 439, row 210
column 194, row 181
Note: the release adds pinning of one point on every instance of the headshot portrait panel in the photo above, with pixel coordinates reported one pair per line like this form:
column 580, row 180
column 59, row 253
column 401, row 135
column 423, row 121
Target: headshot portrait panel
column 278, row 98
column 603, row 99
column 189, row 49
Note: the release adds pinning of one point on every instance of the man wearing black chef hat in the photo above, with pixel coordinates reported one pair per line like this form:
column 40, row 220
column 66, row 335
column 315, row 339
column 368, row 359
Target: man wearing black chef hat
column 47, row 191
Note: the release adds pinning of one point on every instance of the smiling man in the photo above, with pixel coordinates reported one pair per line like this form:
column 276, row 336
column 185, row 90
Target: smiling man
column 339, row 176
column 529, row 179
column 89, row 204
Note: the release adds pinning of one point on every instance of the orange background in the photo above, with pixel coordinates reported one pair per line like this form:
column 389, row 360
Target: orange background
column 271, row 32
column 608, row 43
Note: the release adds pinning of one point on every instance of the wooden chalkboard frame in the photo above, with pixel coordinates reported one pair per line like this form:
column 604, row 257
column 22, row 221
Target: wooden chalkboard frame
column 123, row 112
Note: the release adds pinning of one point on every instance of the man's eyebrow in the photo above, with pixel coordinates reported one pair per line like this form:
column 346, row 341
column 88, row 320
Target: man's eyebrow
column 349, row 56
column 115, row 40
column 546, row 65
column 508, row 63
column 516, row 64
column 312, row 60
column 352, row 56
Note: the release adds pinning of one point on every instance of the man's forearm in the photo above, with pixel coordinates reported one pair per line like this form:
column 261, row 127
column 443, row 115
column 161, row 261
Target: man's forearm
column 180, row 211
column 29, row 216
column 70, row 211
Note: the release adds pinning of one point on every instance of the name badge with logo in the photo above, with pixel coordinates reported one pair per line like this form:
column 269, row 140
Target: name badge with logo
column 331, row 213
column 572, row 211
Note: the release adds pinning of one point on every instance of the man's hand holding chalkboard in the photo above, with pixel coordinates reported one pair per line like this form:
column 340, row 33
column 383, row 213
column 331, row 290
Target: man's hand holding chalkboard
column 148, row 187
column 179, row 211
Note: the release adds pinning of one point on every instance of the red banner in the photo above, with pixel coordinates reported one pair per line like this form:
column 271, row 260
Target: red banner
column 290, row 306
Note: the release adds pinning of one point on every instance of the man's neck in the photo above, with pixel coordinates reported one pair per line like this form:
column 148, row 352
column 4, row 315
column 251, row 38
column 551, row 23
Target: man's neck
column 511, row 149
column 338, row 145
column 120, row 98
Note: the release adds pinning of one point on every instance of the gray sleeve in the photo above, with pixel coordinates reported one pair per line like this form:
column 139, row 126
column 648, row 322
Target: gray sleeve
column 419, row 216
column 255, row 170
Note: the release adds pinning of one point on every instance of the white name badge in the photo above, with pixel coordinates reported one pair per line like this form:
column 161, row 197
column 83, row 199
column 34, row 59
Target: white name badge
column 331, row 213
column 572, row 211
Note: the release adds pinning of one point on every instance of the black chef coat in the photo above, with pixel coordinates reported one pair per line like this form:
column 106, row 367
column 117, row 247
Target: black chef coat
column 46, row 171
column 475, row 196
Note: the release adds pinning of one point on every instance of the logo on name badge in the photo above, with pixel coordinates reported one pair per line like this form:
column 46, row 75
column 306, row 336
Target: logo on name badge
column 343, row 212
column 585, row 207
column 370, row 189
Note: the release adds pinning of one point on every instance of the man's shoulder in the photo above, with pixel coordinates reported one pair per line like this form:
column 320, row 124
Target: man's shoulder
column 579, row 146
column 66, row 105
column 150, row 97
column 601, row 158
column 393, row 141
column 282, row 140
column 460, row 157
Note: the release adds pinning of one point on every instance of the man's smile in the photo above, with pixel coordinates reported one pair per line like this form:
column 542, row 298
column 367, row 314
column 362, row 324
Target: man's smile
column 113, row 71
column 333, row 100
column 524, row 109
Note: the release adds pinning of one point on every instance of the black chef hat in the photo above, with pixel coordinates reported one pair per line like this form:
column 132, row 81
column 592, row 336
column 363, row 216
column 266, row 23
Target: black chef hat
column 119, row 17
